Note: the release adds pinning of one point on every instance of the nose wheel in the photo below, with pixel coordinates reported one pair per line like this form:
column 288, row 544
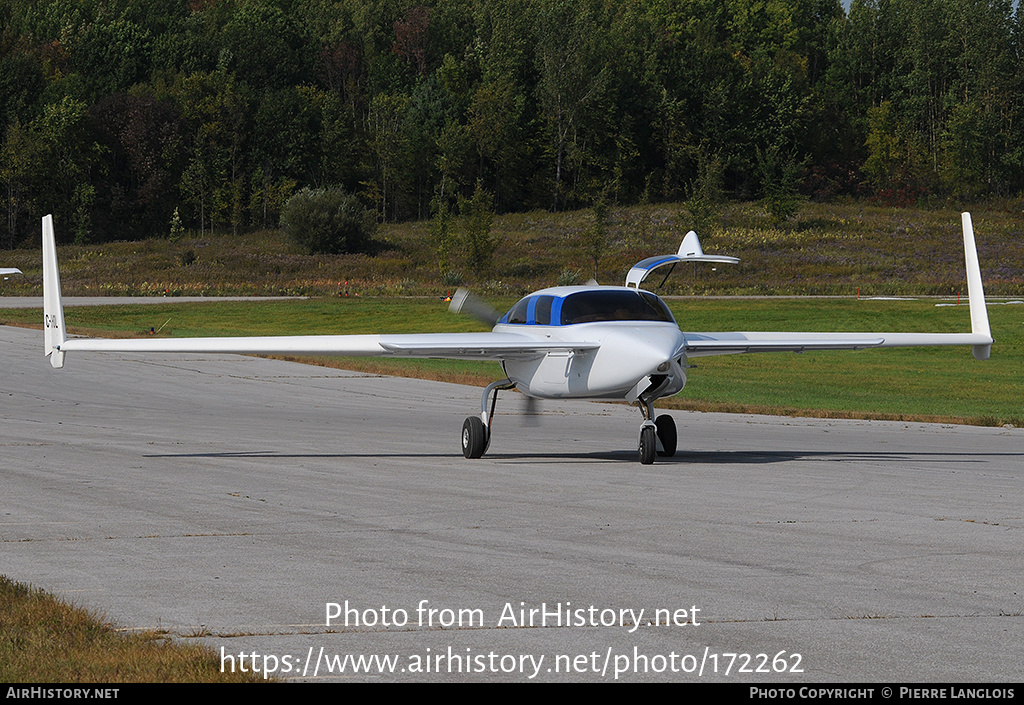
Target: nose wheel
column 658, row 436
column 648, row 444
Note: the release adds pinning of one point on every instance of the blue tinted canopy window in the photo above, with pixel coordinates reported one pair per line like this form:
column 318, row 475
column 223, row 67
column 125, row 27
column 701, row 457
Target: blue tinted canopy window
column 614, row 305
column 589, row 307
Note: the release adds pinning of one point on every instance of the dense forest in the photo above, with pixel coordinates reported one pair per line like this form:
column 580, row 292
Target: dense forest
column 121, row 116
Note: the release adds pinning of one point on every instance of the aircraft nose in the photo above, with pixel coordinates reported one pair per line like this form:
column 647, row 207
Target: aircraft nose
column 631, row 354
column 653, row 350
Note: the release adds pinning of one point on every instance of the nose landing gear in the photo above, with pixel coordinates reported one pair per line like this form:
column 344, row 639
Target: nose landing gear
column 657, row 435
column 648, row 444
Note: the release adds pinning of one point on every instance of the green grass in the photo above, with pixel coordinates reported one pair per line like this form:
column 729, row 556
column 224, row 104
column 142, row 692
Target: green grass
column 910, row 383
column 45, row 640
column 936, row 384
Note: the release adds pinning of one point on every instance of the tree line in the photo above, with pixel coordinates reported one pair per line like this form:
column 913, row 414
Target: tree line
column 119, row 115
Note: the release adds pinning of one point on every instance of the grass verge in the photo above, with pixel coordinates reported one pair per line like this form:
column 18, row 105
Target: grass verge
column 45, row 640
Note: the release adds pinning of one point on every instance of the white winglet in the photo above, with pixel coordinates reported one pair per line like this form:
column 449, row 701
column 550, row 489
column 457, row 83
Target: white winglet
column 975, row 291
column 690, row 246
column 53, row 309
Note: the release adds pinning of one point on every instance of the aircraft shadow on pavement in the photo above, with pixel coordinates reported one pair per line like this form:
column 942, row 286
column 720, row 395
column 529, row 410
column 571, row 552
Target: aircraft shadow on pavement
column 722, row 457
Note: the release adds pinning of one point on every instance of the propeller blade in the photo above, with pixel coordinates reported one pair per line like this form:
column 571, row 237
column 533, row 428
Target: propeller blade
column 531, row 410
column 465, row 301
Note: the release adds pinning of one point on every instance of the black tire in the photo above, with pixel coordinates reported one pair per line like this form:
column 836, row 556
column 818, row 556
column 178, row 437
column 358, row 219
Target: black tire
column 474, row 437
column 648, row 445
column 667, row 435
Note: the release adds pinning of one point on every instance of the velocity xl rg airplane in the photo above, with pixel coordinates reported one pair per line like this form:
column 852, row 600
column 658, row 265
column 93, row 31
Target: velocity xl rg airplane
column 568, row 342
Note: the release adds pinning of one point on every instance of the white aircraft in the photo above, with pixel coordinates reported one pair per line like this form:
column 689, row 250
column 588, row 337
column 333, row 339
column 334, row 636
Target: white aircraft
column 4, row 271
column 569, row 342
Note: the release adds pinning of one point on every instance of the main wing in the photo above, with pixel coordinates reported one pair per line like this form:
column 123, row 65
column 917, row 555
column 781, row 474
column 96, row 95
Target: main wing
column 980, row 337
column 705, row 344
column 476, row 346
column 470, row 346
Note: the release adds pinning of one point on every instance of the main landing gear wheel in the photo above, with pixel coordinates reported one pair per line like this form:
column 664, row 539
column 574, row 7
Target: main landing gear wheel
column 666, row 434
column 474, row 437
column 648, row 445
column 476, row 432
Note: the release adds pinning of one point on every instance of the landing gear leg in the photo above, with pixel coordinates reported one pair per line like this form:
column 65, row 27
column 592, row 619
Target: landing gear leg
column 476, row 431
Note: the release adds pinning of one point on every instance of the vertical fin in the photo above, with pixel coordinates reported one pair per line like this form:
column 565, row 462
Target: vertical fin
column 975, row 292
column 53, row 308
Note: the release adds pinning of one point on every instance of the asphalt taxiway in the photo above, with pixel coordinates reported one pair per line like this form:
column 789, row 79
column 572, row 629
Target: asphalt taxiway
column 235, row 500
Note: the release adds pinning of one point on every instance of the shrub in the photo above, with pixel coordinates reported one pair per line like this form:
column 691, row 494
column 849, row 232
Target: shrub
column 780, row 176
column 328, row 221
column 478, row 216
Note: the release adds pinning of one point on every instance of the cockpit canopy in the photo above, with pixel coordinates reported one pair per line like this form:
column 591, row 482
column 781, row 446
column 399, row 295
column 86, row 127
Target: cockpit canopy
column 588, row 306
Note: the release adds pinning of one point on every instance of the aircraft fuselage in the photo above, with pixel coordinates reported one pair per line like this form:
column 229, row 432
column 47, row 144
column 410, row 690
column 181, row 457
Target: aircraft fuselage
column 639, row 347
